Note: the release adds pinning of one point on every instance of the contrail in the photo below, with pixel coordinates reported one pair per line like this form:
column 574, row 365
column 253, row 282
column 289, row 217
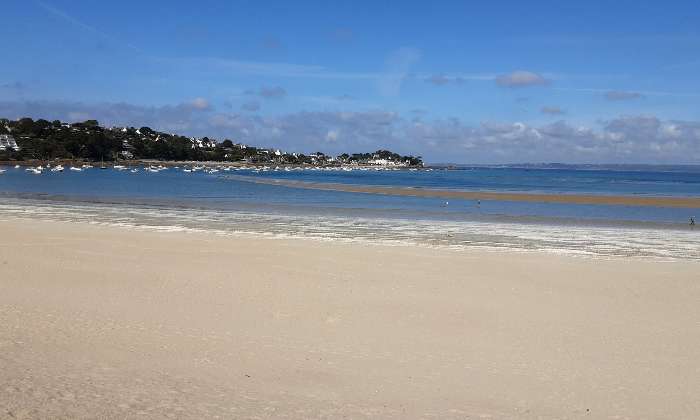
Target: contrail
column 75, row 22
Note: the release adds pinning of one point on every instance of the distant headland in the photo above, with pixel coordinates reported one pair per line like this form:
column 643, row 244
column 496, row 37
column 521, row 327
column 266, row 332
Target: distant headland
column 26, row 139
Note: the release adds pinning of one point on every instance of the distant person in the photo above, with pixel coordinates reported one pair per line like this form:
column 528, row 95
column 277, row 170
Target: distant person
column 692, row 223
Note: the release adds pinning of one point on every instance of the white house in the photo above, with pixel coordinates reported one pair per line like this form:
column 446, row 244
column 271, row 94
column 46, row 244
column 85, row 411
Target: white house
column 382, row 162
column 8, row 142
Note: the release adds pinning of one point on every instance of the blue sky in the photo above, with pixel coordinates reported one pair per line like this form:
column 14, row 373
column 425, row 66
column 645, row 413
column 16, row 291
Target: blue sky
column 480, row 82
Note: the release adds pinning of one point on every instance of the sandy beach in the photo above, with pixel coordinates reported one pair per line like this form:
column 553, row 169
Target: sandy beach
column 109, row 322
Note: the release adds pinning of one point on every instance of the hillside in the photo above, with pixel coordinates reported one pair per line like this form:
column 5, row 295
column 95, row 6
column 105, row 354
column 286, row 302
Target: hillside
column 44, row 140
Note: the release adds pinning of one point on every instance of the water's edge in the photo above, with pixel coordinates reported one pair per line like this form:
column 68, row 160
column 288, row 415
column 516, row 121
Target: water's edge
column 589, row 241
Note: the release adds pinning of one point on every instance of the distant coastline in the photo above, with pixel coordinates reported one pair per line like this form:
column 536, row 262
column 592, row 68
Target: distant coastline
column 204, row 163
column 47, row 141
column 630, row 167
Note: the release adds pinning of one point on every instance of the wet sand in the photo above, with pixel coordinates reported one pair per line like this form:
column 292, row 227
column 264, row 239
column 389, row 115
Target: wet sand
column 107, row 322
column 611, row 200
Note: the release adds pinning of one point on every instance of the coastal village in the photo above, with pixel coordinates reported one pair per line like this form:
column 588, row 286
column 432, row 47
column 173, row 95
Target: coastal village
column 29, row 141
column 7, row 142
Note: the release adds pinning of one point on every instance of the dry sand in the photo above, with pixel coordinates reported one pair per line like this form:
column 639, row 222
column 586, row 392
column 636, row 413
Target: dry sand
column 105, row 322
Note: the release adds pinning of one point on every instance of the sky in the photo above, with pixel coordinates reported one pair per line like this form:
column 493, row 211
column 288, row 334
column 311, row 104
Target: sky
column 461, row 82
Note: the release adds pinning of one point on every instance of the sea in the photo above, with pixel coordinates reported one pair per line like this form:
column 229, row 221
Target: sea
column 229, row 201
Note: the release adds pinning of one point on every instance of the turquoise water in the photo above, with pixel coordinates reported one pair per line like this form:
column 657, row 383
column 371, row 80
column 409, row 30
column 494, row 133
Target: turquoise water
column 212, row 201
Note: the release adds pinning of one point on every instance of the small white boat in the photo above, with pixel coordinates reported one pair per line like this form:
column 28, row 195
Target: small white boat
column 87, row 166
column 187, row 170
column 35, row 171
column 58, row 168
column 17, row 166
column 120, row 167
column 76, row 169
column 133, row 171
column 2, row 171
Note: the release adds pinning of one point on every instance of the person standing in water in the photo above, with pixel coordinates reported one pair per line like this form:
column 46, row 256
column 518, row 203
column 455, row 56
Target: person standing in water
column 692, row 223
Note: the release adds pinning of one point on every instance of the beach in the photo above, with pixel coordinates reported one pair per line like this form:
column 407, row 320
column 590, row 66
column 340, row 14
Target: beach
column 114, row 322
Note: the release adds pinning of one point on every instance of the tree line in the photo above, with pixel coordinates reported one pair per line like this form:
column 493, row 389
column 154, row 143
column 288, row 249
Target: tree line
column 46, row 140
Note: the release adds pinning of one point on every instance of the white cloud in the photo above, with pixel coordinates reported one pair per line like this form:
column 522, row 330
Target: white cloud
column 216, row 65
column 397, row 66
column 332, row 136
column 521, row 78
column 273, row 92
column 200, row 104
column 552, row 110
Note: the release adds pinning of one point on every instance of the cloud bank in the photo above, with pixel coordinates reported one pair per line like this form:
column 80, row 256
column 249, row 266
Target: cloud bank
column 625, row 139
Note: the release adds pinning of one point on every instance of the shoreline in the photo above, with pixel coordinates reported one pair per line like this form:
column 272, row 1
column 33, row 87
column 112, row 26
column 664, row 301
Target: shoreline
column 206, row 163
column 596, row 240
column 100, row 321
column 376, row 243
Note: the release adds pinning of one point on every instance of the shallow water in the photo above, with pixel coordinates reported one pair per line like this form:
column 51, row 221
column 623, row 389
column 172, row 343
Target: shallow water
column 174, row 200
